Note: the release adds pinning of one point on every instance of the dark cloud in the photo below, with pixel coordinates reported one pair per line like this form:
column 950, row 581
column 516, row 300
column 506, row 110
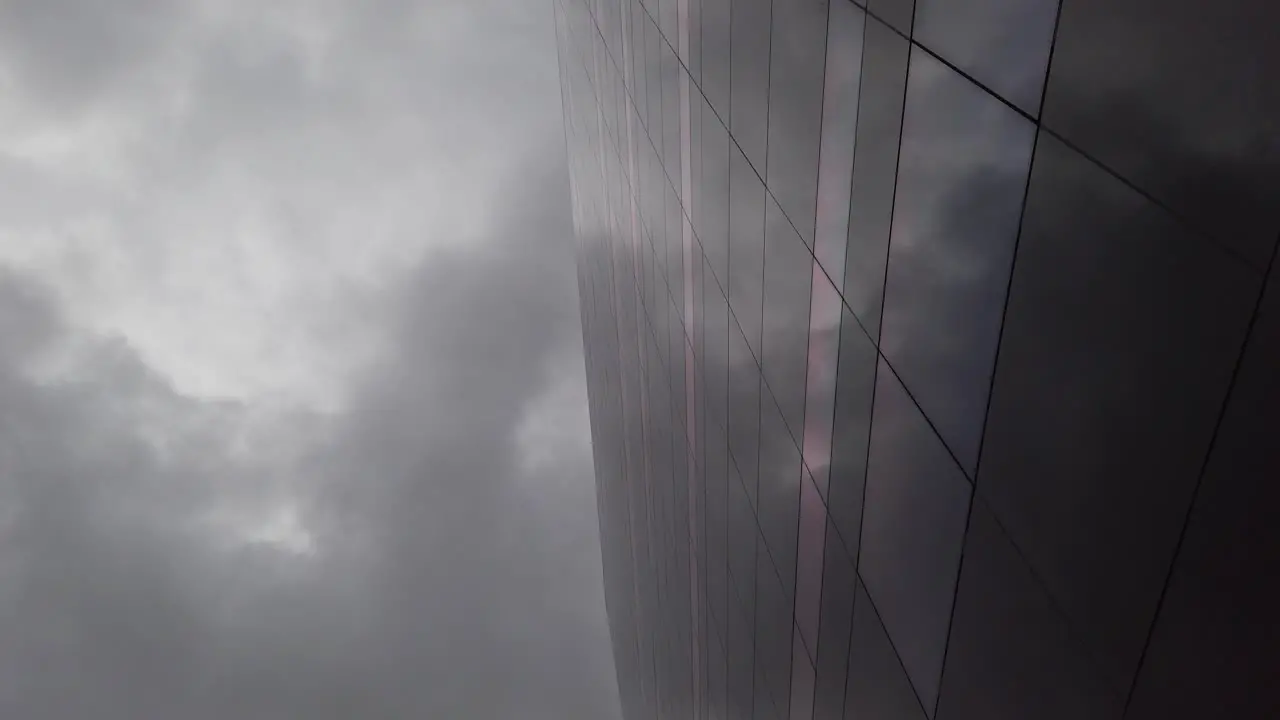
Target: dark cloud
column 412, row 554
column 437, row 587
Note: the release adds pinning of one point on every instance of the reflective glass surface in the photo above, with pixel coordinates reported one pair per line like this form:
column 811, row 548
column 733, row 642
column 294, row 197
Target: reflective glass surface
column 741, row 659
column 877, row 686
column 1034, row 666
column 1214, row 641
column 773, row 634
column 810, row 547
column 875, row 170
column 908, row 400
column 713, row 226
column 912, row 530
column 842, row 81
column 779, row 495
column 1121, row 336
column 797, row 57
column 851, row 429
column 962, row 171
column 746, row 247
column 788, row 270
column 749, row 87
column 833, row 631
column 1181, row 100
column 716, row 36
column 1003, row 44
column 898, row 13
column 744, row 410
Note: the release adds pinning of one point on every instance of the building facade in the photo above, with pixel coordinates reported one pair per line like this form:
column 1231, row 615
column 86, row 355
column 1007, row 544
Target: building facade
column 933, row 353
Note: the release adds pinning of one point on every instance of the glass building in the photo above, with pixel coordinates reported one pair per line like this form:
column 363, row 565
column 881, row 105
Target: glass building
column 933, row 352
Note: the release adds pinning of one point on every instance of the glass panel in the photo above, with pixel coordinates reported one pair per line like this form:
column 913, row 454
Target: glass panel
column 671, row 70
column 653, row 47
column 1181, row 99
column 797, row 51
column 1208, row 655
column 742, row 542
column 718, row 680
column 694, row 24
column 717, row 527
column 714, row 194
column 741, row 655
column 1119, row 342
column 801, row 681
column 809, row 551
column 788, row 269
column 875, row 170
column 1033, row 643
column 839, row 130
column 877, row 686
column 820, row 378
column 779, row 503
column 897, row 13
column 833, row 630
column 715, row 54
column 1003, row 44
column 962, row 173
column 917, row 501
column 773, row 633
column 744, row 410
column 746, row 247
column 750, row 78
column 855, row 382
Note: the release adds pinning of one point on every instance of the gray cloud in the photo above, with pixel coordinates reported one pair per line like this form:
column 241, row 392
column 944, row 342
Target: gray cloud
column 418, row 551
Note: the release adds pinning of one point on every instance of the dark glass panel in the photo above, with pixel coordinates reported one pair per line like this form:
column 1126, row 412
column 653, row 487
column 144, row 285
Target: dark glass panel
column 842, row 82
column 1181, row 99
column 851, row 430
column 1119, row 342
column 916, row 504
column 1011, row 653
column 962, row 172
column 877, row 686
column 1216, row 642
column 875, row 170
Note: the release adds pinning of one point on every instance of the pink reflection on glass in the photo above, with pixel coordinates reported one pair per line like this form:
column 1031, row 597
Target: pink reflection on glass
column 809, row 556
column 820, row 390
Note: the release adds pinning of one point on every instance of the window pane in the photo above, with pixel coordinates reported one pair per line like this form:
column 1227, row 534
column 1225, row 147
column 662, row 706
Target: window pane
column 1003, row 44
column 877, row 685
column 1034, row 644
column 1210, row 653
column 897, row 13
column 875, row 169
column 746, row 247
column 788, row 270
column 797, row 54
column 839, row 130
column 1120, row 339
column 916, row 504
column 1181, row 99
column 851, row 430
column 962, row 173
column 750, row 78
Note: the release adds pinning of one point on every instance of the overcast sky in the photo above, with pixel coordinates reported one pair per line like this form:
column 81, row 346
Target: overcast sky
column 292, row 415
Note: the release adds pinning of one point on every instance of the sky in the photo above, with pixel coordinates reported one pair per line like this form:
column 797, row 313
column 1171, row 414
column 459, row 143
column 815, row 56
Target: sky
column 292, row 406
